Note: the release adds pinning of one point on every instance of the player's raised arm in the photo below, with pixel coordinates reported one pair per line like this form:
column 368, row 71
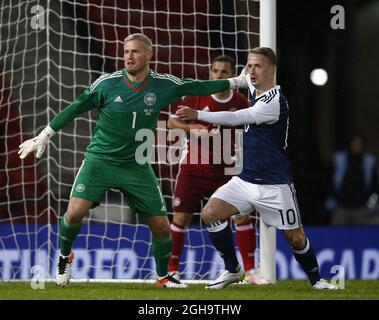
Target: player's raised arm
column 174, row 122
column 84, row 102
column 262, row 112
column 186, row 113
column 221, row 117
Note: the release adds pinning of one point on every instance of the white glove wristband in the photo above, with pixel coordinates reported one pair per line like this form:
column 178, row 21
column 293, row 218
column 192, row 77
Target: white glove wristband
column 46, row 134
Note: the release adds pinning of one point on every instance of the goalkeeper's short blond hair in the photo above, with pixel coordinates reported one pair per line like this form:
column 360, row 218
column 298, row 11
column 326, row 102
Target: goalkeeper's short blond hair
column 140, row 37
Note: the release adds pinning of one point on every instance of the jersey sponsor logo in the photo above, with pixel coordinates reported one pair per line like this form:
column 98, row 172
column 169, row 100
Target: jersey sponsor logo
column 150, row 99
column 80, row 187
column 118, row 99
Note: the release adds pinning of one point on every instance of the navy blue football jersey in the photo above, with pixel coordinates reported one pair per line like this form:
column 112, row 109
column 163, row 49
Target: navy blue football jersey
column 265, row 160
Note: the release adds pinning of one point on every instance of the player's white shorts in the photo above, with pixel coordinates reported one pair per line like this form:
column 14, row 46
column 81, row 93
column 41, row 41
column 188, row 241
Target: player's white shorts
column 276, row 204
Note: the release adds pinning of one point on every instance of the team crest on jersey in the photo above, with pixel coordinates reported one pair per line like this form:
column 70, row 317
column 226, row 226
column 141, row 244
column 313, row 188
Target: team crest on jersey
column 176, row 202
column 150, row 99
column 80, row 187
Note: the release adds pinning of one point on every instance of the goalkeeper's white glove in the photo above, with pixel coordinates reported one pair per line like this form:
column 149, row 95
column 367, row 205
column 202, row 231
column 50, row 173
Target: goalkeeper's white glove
column 240, row 81
column 36, row 144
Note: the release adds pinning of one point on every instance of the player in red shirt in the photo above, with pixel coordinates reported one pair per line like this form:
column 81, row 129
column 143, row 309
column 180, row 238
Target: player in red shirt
column 198, row 180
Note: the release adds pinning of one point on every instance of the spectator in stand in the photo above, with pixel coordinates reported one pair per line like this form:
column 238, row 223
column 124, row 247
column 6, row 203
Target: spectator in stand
column 355, row 184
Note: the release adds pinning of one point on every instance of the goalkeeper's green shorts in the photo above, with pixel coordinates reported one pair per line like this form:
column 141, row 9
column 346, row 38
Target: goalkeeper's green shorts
column 137, row 182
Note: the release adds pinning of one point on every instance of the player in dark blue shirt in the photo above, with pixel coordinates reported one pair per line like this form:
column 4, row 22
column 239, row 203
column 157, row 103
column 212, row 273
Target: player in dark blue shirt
column 265, row 183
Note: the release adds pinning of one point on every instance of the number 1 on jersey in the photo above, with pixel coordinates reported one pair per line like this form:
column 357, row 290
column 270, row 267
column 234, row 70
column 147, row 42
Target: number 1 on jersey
column 134, row 119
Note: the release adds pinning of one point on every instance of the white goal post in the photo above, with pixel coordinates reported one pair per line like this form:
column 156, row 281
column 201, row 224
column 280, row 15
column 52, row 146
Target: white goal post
column 267, row 239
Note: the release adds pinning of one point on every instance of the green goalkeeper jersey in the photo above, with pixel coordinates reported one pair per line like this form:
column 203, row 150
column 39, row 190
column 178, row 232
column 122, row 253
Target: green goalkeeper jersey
column 125, row 107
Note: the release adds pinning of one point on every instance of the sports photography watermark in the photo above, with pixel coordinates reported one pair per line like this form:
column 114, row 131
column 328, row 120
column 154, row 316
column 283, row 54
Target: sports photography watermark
column 339, row 279
column 38, row 19
column 38, row 279
column 215, row 147
column 337, row 22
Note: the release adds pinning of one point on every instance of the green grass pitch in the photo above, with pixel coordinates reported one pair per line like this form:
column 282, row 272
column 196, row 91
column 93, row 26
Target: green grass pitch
column 282, row 290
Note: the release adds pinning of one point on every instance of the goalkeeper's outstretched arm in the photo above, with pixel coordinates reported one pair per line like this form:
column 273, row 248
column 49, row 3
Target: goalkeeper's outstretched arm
column 83, row 103
column 207, row 87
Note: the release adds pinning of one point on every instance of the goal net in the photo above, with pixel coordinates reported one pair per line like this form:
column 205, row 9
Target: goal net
column 50, row 52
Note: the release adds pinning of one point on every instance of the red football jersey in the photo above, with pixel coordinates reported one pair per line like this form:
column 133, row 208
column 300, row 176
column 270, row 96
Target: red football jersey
column 214, row 152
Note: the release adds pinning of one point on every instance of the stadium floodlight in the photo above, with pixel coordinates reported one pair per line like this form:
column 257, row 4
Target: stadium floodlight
column 319, row 77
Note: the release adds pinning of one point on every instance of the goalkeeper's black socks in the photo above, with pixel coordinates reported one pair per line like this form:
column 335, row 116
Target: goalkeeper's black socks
column 222, row 239
column 307, row 259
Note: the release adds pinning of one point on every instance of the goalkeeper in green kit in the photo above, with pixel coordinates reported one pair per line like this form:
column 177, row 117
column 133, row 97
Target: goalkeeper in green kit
column 127, row 101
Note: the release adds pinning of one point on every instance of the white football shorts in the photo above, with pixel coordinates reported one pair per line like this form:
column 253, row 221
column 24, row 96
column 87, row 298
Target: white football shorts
column 276, row 204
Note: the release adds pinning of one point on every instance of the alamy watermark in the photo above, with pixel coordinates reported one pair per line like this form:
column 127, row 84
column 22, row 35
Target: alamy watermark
column 216, row 147
column 339, row 279
column 38, row 21
column 38, row 279
column 338, row 19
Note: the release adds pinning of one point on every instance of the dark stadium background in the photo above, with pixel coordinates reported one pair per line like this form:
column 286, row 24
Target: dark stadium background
column 322, row 118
